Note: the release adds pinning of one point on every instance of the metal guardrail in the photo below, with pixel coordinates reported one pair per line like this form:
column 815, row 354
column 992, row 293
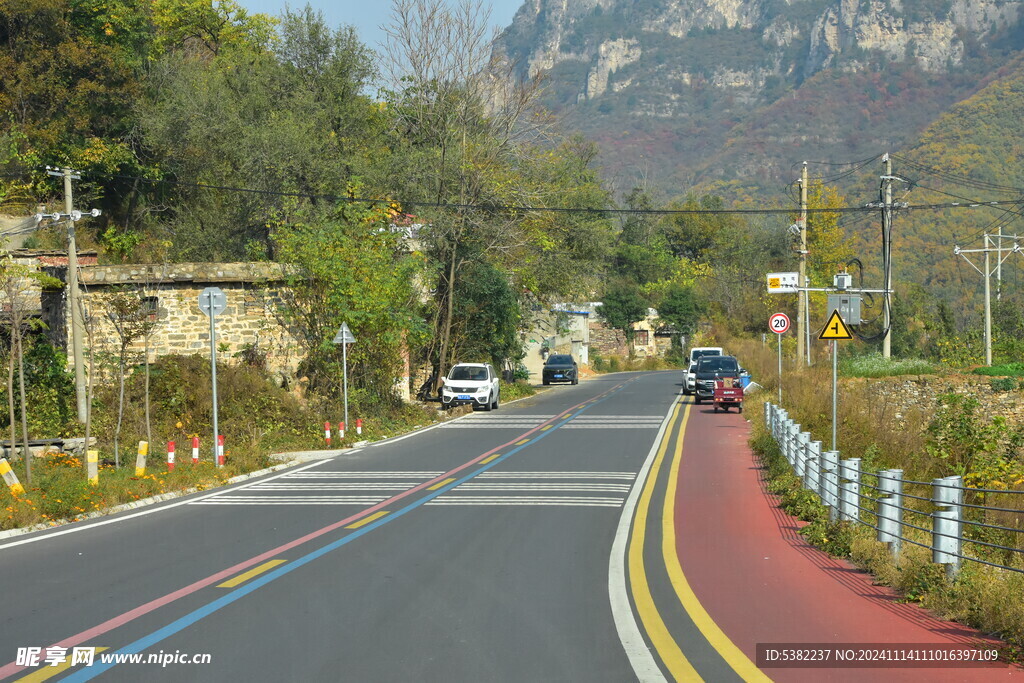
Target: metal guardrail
column 958, row 531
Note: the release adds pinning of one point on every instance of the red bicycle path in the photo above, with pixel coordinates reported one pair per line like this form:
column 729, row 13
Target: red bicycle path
column 761, row 582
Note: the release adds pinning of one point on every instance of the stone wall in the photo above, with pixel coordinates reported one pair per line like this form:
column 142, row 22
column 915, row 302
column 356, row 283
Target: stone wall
column 252, row 316
column 607, row 341
column 922, row 394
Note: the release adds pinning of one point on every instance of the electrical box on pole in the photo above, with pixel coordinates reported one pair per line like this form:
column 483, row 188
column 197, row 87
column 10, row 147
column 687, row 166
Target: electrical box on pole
column 848, row 306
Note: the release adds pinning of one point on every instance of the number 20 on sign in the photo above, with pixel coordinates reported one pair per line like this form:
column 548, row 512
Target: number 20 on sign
column 778, row 323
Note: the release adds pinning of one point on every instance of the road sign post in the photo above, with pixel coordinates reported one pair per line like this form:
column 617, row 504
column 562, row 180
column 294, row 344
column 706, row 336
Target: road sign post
column 344, row 337
column 835, row 329
column 213, row 301
column 779, row 323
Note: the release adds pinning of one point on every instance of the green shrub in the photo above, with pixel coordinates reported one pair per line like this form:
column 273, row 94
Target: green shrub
column 1005, row 370
column 1003, row 384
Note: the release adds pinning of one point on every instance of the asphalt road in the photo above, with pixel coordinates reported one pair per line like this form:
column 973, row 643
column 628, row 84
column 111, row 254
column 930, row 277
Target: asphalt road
column 610, row 531
column 476, row 551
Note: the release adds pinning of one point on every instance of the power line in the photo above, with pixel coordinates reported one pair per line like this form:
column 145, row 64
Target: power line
column 959, row 179
column 558, row 209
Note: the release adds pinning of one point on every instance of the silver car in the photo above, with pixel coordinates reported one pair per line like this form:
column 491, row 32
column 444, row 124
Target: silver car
column 689, row 384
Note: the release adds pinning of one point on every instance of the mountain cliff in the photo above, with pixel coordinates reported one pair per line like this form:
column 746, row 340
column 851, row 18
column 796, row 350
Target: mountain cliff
column 688, row 92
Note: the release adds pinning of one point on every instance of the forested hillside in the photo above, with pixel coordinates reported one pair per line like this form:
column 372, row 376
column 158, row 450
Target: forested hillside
column 437, row 210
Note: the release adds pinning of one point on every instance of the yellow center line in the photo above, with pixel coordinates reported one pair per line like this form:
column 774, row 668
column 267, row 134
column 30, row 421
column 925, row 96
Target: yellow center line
column 48, row 672
column 520, row 443
column 369, row 518
column 255, row 571
column 733, row 656
column 546, row 428
column 490, row 459
column 441, row 484
column 667, row 648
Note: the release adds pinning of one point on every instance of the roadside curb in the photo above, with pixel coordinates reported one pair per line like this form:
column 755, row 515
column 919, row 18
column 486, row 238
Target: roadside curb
column 152, row 500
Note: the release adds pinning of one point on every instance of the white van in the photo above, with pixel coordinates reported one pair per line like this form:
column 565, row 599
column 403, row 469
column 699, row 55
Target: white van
column 689, row 383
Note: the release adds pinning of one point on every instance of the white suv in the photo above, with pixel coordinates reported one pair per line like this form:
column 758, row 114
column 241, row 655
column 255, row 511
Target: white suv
column 689, row 383
column 474, row 383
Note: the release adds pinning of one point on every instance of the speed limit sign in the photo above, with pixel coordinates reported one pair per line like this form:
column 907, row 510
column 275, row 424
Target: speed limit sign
column 778, row 323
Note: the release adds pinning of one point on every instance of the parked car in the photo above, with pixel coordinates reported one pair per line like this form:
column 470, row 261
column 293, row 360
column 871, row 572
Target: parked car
column 688, row 379
column 709, row 369
column 476, row 384
column 560, row 367
column 695, row 353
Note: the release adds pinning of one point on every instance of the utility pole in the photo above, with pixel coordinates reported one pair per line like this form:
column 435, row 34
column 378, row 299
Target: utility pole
column 77, row 325
column 803, row 323
column 988, row 306
column 999, row 264
column 887, row 258
column 987, row 274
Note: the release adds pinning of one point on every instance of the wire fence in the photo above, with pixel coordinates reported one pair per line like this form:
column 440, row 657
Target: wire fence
column 959, row 524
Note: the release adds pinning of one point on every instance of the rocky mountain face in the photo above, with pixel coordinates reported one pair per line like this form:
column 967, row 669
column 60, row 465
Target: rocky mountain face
column 685, row 92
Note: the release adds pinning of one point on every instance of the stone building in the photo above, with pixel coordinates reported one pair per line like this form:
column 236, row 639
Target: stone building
column 612, row 342
column 170, row 300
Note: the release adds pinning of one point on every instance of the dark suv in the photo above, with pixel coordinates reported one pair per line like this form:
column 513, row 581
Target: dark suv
column 709, row 369
column 560, row 367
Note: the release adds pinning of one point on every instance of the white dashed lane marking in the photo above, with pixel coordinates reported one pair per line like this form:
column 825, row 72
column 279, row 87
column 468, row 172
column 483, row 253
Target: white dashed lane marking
column 566, row 489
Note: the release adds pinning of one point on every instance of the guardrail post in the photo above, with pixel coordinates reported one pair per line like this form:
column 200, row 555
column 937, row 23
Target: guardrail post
column 849, row 472
column 768, row 417
column 890, row 512
column 786, row 433
column 947, row 524
column 792, row 430
column 800, row 452
column 829, row 490
column 811, row 465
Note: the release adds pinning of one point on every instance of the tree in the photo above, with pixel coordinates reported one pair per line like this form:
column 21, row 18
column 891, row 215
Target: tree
column 290, row 123
column 129, row 316
column 350, row 267
column 621, row 307
column 489, row 314
column 680, row 309
column 15, row 281
column 695, row 235
column 456, row 136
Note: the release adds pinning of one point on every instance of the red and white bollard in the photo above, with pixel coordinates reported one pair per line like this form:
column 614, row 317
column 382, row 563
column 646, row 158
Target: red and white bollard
column 327, row 433
column 220, row 450
column 170, row 456
column 359, row 426
column 195, row 450
column 341, row 431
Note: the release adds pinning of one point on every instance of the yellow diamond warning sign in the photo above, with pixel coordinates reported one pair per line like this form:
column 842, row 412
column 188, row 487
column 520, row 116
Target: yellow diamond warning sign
column 835, row 328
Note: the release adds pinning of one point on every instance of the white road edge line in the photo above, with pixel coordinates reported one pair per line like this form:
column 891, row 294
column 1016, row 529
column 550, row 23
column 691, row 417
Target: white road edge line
column 155, row 508
column 644, row 666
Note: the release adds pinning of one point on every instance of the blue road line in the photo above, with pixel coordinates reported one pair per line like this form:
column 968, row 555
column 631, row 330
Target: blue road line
column 87, row 674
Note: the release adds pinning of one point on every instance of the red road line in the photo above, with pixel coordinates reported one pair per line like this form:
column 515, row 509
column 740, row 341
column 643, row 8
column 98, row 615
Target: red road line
column 12, row 668
column 762, row 583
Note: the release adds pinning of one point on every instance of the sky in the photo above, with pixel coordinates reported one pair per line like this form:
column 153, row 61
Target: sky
column 368, row 15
